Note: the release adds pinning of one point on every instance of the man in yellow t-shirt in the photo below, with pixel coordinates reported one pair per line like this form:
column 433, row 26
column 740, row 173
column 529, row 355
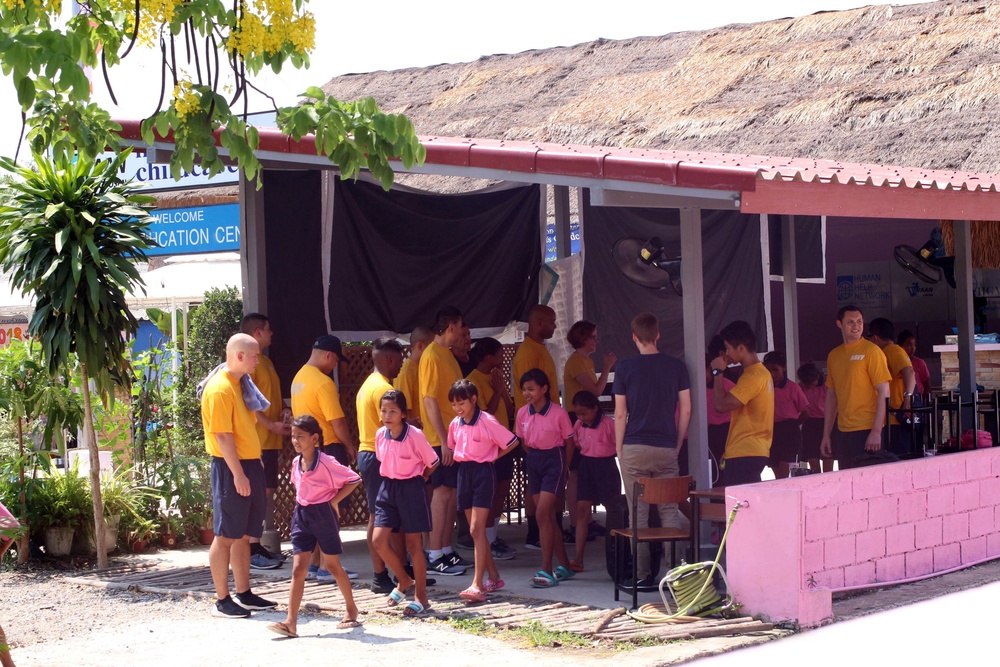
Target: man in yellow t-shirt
column 532, row 353
column 901, row 386
column 438, row 371
column 237, row 478
column 270, row 431
column 387, row 356
column 857, row 384
column 315, row 393
column 751, row 403
column 408, row 380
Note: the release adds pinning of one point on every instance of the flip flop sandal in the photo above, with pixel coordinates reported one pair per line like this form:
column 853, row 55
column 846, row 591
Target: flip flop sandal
column 543, row 579
column 414, row 609
column 395, row 597
column 562, row 574
column 492, row 586
column 471, row 594
column 349, row 623
column 282, row 629
column 575, row 567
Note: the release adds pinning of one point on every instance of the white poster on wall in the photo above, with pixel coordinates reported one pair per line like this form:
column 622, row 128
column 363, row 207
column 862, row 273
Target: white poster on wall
column 866, row 285
column 917, row 301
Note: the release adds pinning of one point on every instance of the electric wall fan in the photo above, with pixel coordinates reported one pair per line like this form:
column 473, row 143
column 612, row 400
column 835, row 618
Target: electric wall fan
column 643, row 263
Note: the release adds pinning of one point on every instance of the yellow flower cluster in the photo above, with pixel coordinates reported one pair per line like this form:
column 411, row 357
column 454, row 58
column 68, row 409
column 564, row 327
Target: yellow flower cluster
column 266, row 27
column 153, row 14
column 187, row 102
column 48, row 6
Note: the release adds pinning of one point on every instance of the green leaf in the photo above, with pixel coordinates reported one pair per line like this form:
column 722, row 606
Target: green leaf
column 25, row 93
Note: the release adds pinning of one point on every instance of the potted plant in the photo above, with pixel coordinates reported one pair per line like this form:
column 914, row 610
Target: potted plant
column 59, row 506
column 139, row 534
column 170, row 530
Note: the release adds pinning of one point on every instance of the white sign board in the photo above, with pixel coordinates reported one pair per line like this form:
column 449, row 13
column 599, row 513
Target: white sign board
column 150, row 177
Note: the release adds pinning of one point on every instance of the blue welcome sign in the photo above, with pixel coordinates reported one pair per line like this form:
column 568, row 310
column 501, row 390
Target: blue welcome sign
column 195, row 229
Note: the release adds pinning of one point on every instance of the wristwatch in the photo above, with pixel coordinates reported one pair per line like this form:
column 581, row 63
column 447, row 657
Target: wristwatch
column 716, row 371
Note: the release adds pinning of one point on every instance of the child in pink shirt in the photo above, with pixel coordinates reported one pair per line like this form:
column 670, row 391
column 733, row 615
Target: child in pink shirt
column 477, row 439
column 598, row 479
column 814, row 387
column 790, row 406
column 320, row 484
column 407, row 460
column 547, row 434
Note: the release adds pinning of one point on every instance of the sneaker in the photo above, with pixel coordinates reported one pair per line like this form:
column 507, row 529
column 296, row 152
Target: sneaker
column 382, row 583
column 569, row 536
column 443, row 566
column 324, row 577
column 249, row 600
column 501, row 551
column 465, row 543
column 226, row 608
column 596, row 529
column 280, row 557
column 430, row 581
column 311, row 574
column 533, row 545
column 645, row 582
column 454, row 559
column 261, row 562
column 351, row 574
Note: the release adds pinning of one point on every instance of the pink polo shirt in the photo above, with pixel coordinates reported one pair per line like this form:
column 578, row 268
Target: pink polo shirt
column 817, row 400
column 479, row 440
column 597, row 441
column 789, row 401
column 404, row 457
column 716, row 418
column 546, row 429
column 324, row 479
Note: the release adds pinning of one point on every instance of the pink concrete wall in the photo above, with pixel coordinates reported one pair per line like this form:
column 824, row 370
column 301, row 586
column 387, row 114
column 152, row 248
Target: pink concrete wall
column 799, row 539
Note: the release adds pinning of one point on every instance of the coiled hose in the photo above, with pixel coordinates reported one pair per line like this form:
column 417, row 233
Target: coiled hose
column 690, row 585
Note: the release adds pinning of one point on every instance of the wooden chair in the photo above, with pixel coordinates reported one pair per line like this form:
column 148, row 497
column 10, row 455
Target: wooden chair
column 654, row 492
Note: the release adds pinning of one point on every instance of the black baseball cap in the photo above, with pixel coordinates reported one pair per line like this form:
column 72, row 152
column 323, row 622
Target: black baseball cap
column 329, row 343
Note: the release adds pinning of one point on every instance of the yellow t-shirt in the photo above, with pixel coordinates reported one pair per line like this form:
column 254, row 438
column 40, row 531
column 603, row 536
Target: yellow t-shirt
column 438, row 371
column 223, row 411
column 752, row 426
column 575, row 366
column 484, row 385
column 266, row 380
column 897, row 360
column 315, row 393
column 852, row 373
column 369, row 409
column 408, row 382
column 533, row 355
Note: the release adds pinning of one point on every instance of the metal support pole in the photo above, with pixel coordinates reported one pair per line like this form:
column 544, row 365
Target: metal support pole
column 253, row 267
column 692, row 279
column 791, row 291
column 560, row 196
column 965, row 320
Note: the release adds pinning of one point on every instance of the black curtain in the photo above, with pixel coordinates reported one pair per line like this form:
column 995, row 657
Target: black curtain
column 398, row 257
column 808, row 245
column 733, row 277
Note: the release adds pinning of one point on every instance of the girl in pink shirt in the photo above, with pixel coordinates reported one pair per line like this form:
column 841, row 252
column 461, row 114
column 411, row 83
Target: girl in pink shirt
column 814, row 387
column 547, row 434
column 598, row 479
column 320, row 484
column 407, row 461
column 790, row 406
column 477, row 439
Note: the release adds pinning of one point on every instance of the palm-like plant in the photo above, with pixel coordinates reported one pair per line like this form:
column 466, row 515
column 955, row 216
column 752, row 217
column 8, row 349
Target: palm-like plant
column 69, row 234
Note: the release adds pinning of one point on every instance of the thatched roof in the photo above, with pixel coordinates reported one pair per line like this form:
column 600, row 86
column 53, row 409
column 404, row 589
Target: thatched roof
column 917, row 85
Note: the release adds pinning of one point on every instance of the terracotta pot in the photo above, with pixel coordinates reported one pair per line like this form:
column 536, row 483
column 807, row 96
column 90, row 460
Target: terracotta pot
column 168, row 540
column 206, row 536
column 139, row 546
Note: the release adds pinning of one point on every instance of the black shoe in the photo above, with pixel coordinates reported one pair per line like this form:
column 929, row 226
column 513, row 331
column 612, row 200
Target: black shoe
column 596, row 529
column 645, row 582
column 569, row 536
column 454, row 559
column 280, row 557
column 226, row 608
column 466, row 543
column 533, row 544
column 409, row 572
column 249, row 600
column 382, row 583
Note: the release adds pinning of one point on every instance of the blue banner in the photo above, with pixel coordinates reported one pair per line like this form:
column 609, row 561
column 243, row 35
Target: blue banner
column 550, row 240
column 195, row 229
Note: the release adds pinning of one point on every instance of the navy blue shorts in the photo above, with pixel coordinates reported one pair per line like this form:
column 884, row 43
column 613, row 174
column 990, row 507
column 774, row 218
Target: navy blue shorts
column 236, row 515
column 402, row 505
column 598, row 480
column 316, row 524
column 785, row 443
column 270, row 459
column 504, row 467
column 546, row 469
column 369, row 468
column 477, row 483
column 446, row 476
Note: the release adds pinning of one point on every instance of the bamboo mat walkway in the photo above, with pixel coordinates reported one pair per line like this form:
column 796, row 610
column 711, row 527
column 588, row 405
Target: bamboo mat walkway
column 500, row 610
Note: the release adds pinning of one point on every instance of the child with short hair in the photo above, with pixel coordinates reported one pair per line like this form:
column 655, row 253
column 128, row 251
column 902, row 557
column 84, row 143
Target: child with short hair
column 407, row 461
column 718, row 422
column 547, row 434
column 790, row 405
column 598, row 479
column 478, row 440
column 320, row 484
column 814, row 387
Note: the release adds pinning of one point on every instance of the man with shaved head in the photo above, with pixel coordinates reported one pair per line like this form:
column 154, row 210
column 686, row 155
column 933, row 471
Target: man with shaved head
column 237, row 475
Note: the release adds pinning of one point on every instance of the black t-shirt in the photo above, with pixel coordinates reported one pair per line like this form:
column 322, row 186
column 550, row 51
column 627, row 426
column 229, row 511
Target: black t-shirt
column 650, row 384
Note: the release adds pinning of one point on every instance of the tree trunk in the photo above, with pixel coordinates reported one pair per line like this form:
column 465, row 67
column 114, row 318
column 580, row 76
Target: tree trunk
column 23, row 542
column 95, row 471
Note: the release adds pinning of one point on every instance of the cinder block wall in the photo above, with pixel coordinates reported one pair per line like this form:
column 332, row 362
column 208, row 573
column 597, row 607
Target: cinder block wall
column 799, row 539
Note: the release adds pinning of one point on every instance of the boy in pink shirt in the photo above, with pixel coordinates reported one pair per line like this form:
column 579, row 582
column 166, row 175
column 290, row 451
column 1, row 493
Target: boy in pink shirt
column 407, row 461
column 790, row 405
column 547, row 434
column 814, row 387
column 320, row 484
column 477, row 439
column 597, row 478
